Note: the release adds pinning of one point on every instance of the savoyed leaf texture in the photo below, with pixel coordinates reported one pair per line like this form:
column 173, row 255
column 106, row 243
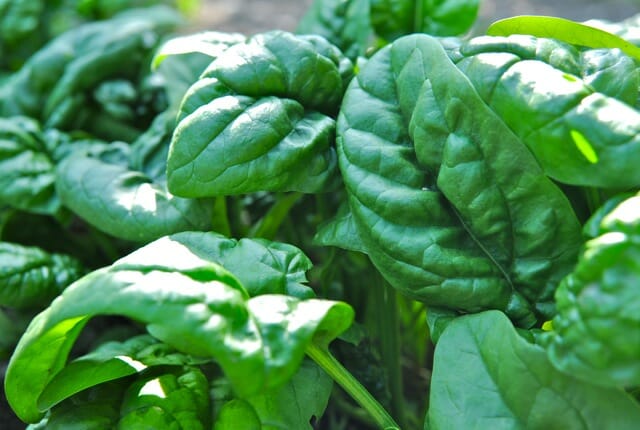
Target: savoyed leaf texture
column 259, row 119
column 596, row 334
column 451, row 207
column 486, row 376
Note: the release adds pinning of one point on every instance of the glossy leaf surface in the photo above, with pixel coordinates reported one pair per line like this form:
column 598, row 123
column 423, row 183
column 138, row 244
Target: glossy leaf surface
column 31, row 277
column 596, row 334
column 257, row 120
column 192, row 305
column 486, row 376
column 452, row 208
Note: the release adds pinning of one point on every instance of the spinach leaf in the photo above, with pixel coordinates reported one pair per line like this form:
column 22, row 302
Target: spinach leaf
column 562, row 103
column 258, row 119
column 31, row 277
column 451, row 207
column 28, row 167
column 486, row 376
column 275, row 267
column 125, row 203
column 345, row 23
column 596, row 334
column 110, row 361
column 192, row 305
column 62, row 77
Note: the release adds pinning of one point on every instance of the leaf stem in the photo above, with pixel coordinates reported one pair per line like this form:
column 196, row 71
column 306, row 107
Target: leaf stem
column 355, row 389
column 268, row 226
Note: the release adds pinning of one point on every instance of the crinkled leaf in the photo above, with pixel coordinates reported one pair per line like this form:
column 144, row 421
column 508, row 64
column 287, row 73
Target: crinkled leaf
column 237, row 414
column 293, row 405
column 596, row 334
column 175, row 398
column 257, row 120
column 486, row 376
column 345, row 23
column 181, row 60
column 392, row 18
column 57, row 83
column 451, row 207
column 31, row 277
column 126, row 203
column 573, row 109
column 108, row 362
column 28, row 172
column 189, row 303
column 562, row 29
column 262, row 266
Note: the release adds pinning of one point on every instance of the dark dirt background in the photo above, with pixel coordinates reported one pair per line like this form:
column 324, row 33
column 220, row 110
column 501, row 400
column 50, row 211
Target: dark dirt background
column 253, row 16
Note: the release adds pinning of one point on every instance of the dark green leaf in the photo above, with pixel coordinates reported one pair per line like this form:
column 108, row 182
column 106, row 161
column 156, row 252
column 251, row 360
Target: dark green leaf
column 486, row 376
column 257, row 120
column 596, row 334
column 561, row 102
column 31, row 277
column 451, row 207
column 562, row 29
column 346, row 24
column 108, row 362
column 126, row 203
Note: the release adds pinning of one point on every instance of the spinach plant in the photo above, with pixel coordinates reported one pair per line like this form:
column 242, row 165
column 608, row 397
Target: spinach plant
column 207, row 231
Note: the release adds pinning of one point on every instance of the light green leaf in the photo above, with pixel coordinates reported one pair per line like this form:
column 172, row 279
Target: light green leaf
column 192, row 305
column 564, row 30
column 486, row 376
column 548, row 92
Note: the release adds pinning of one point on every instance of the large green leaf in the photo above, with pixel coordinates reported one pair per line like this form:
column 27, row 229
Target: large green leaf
column 486, row 376
column 574, row 109
column 31, row 277
column 189, row 303
column 258, row 119
column 451, row 207
column 125, row 203
column 596, row 334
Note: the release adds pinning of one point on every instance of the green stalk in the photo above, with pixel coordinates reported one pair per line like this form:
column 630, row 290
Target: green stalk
column 385, row 307
column 268, row 226
column 355, row 389
column 220, row 219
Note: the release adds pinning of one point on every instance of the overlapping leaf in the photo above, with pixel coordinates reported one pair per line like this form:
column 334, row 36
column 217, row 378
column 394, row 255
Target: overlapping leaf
column 31, row 277
column 259, row 119
column 451, row 207
column 596, row 334
column 486, row 376
column 574, row 109
column 187, row 302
